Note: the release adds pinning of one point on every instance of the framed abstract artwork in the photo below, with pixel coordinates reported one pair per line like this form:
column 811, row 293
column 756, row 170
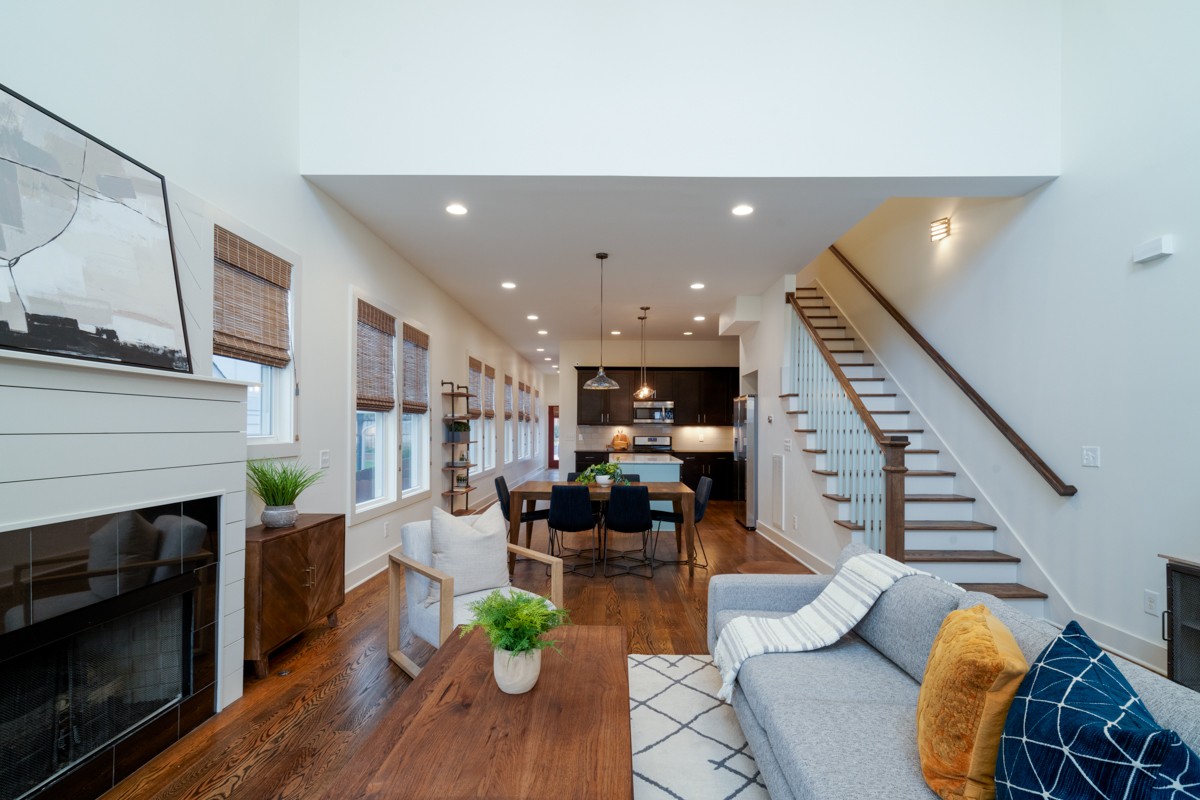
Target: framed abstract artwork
column 87, row 263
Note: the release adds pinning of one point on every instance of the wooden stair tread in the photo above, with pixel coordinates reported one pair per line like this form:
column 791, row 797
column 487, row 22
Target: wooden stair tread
column 923, row 452
column 835, row 352
column 928, row 525
column 868, row 364
column 877, row 394
column 804, row 430
column 1006, row 591
column 828, row 472
column 790, row 394
column 817, row 452
column 898, row 411
column 852, row 380
column 914, row 498
column 902, row 430
column 931, row 473
column 837, row 339
column 822, row 316
column 795, row 411
column 960, row 556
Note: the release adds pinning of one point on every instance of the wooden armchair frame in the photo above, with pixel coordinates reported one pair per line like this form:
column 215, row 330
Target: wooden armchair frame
column 398, row 562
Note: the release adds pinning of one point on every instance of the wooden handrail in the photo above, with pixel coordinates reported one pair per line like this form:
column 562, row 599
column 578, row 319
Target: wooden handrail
column 1058, row 484
column 891, row 446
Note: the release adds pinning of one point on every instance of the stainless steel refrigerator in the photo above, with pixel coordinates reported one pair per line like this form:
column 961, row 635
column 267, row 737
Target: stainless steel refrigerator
column 745, row 459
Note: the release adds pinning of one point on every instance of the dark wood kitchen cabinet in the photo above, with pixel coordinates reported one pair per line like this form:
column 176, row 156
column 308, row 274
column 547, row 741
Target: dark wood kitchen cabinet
column 701, row 396
column 716, row 465
column 610, row 406
column 294, row 577
column 587, row 458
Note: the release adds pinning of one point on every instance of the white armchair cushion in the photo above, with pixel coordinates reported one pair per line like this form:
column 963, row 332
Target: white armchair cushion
column 472, row 549
column 423, row 619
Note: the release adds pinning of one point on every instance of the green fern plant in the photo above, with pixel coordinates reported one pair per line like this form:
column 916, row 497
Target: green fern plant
column 279, row 483
column 515, row 621
column 610, row 468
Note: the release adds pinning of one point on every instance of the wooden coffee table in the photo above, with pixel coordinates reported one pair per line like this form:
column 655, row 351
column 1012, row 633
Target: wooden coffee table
column 454, row 734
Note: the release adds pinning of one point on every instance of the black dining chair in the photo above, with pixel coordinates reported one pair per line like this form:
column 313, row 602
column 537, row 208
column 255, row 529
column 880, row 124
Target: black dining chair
column 632, row 477
column 526, row 516
column 571, row 512
column 703, row 493
column 628, row 512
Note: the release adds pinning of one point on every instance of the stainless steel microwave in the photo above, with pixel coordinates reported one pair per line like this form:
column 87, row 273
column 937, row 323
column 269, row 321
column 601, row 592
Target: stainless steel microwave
column 654, row 412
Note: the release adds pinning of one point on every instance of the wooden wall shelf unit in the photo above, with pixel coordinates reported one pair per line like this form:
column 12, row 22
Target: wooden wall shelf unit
column 460, row 460
column 294, row 577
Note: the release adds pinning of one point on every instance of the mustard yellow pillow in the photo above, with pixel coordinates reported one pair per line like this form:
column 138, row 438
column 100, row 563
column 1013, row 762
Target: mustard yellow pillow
column 974, row 669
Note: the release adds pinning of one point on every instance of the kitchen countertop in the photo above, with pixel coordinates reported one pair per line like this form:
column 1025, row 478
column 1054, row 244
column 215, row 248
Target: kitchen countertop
column 645, row 458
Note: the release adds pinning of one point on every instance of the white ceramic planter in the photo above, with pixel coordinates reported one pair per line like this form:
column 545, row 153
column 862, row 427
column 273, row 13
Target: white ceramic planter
column 604, row 480
column 516, row 674
column 279, row 516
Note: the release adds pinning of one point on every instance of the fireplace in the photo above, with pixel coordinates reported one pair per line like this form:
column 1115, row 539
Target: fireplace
column 108, row 648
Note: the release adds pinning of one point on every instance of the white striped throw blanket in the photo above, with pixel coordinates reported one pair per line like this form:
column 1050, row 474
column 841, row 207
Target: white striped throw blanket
column 837, row 609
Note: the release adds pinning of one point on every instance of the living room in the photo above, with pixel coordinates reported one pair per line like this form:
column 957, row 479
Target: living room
column 293, row 101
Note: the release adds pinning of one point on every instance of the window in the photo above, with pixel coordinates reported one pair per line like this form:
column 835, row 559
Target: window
column 509, row 443
column 475, row 412
column 375, row 419
column 537, row 420
column 523, row 436
column 489, row 417
column 414, row 471
column 252, row 332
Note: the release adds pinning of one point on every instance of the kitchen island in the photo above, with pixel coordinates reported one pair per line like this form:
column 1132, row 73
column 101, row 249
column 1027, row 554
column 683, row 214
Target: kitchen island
column 652, row 468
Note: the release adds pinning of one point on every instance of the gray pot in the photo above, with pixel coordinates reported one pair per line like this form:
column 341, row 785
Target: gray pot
column 279, row 516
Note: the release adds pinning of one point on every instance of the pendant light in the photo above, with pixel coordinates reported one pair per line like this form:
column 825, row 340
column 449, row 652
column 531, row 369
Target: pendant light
column 644, row 392
column 601, row 381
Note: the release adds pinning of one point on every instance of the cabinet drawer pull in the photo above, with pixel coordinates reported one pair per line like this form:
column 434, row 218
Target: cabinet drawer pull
column 1166, row 628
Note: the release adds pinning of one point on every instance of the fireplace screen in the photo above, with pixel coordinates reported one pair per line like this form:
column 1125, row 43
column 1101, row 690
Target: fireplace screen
column 68, row 699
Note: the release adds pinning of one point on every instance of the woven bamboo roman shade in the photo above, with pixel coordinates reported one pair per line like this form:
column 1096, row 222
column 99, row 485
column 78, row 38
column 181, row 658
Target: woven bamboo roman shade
column 376, row 359
column 537, row 401
column 489, row 392
column 416, row 370
column 250, row 301
column 474, row 387
column 523, row 402
column 508, row 398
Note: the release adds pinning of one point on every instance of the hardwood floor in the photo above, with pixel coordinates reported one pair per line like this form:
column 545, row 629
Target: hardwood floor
column 292, row 731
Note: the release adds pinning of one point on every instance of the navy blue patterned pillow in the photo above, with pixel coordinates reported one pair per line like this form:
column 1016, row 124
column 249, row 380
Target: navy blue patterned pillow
column 1077, row 730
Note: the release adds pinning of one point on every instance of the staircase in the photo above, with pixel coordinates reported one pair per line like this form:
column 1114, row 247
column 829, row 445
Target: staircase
column 942, row 534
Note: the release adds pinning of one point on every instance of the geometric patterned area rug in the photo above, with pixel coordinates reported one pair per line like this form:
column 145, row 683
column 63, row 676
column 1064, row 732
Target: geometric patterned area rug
column 687, row 744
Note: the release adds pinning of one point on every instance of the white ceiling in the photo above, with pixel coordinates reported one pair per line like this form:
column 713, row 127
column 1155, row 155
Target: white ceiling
column 661, row 234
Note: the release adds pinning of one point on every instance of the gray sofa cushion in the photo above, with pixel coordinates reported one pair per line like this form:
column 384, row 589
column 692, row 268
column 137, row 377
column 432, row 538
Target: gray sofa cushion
column 905, row 619
column 760, row 748
column 849, row 671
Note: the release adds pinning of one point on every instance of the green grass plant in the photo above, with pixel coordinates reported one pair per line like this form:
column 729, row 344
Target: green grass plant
column 515, row 621
column 279, row 483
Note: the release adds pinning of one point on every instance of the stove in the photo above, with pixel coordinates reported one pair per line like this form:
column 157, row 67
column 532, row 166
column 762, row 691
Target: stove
column 651, row 444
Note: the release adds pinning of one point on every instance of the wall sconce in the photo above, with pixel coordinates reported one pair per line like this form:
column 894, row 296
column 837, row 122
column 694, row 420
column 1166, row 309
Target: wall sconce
column 939, row 229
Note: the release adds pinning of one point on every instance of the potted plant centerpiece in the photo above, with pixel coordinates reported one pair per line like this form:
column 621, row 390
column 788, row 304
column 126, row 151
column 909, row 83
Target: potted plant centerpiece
column 603, row 474
column 278, row 484
column 514, row 623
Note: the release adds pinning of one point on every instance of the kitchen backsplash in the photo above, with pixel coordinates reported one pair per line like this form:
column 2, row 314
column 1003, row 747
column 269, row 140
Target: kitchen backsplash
column 683, row 437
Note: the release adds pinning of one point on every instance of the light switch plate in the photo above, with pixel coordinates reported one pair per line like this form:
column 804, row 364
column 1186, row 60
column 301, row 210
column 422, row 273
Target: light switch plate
column 324, row 459
column 1090, row 456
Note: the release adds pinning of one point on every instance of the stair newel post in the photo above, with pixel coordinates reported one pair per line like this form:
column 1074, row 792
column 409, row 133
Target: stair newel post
column 893, row 481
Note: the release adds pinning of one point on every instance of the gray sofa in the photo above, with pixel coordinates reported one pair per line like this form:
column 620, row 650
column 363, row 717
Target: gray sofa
column 840, row 723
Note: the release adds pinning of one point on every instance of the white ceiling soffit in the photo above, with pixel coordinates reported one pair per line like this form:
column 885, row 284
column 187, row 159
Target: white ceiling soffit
column 662, row 235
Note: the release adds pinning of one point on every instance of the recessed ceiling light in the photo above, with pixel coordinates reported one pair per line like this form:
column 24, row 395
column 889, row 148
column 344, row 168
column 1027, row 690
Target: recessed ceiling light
column 548, row 358
column 616, row 333
column 742, row 210
column 697, row 285
column 687, row 333
column 458, row 209
column 531, row 316
column 698, row 319
column 508, row 285
column 542, row 333
column 541, row 349
column 554, row 365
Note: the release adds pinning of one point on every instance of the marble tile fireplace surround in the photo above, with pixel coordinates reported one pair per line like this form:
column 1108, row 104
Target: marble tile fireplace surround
column 122, row 565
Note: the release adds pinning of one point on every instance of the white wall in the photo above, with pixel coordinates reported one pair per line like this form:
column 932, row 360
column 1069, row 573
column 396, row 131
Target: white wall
column 677, row 87
column 207, row 95
column 1036, row 301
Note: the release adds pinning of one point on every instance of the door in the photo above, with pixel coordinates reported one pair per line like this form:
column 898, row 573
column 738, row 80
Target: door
column 592, row 405
column 685, row 387
column 552, row 438
column 326, row 569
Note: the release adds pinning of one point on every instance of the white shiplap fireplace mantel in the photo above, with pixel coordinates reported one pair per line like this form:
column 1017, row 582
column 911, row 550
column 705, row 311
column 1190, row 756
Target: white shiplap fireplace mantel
column 80, row 439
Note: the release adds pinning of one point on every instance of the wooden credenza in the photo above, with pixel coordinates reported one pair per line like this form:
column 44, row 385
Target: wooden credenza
column 294, row 577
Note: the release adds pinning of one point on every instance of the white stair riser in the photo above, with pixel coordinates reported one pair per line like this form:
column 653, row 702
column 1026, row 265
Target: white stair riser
column 929, row 484
column 940, row 511
column 829, row 327
column 854, row 371
column 880, row 403
column 969, row 572
column 1034, row 607
column 949, row 540
column 847, row 358
column 861, row 385
column 798, row 420
column 894, row 421
column 920, row 460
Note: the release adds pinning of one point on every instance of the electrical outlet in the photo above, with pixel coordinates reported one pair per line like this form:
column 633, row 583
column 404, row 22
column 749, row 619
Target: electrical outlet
column 324, row 459
column 700, row 435
column 1150, row 602
column 387, row 529
column 795, row 522
column 787, row 445
column 1091, row 456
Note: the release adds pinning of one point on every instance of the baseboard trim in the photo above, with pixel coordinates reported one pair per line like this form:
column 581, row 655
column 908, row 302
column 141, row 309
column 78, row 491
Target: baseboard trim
column 808, row 559
column 364, row 572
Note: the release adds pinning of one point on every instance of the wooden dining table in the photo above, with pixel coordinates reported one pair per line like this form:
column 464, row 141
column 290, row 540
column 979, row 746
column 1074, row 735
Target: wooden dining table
column 682, row 498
